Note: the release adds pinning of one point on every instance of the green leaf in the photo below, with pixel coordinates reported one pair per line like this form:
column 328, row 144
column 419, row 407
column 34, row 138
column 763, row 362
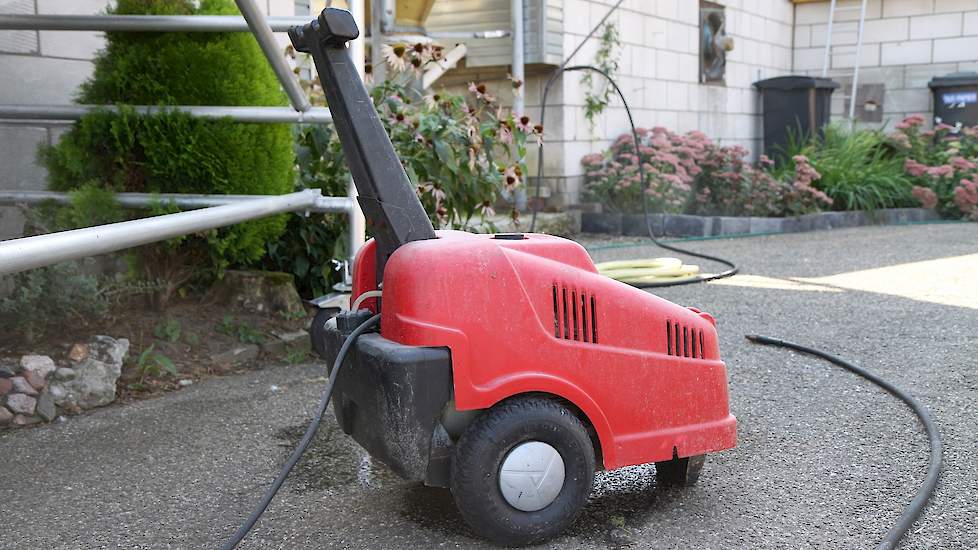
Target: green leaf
column 167, row 364
column 301, row 266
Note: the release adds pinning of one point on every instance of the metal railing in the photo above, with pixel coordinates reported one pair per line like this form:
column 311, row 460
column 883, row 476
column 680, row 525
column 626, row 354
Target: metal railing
column 32, row 252
column 321, row 204
column 214, row 210
column 314, row 115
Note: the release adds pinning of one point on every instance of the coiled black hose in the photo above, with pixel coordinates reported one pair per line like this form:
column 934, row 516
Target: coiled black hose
column 242, row 531
column 731, row 270
column 916, row 506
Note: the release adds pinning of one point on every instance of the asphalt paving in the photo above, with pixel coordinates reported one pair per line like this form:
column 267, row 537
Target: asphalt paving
column 824, row 459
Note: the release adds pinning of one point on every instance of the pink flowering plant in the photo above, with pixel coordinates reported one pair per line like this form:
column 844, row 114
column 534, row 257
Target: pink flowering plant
column 941, row 164
column 691, row 173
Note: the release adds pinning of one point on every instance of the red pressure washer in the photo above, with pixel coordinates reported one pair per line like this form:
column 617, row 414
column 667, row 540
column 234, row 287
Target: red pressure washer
column 505, row 367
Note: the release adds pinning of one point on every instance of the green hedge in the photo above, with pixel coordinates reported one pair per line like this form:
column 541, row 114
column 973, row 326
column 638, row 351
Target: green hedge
column 173, row 153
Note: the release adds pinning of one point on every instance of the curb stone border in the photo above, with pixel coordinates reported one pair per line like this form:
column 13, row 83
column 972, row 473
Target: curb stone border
column 684, row 225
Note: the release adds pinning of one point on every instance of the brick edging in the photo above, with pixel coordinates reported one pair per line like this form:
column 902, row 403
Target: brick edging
column 684, row 225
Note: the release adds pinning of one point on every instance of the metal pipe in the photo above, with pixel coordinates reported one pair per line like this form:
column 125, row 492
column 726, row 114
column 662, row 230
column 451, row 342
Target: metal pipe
column 318, row 115
column 828, row 41
column 33, row 252
column 273, row 52
column 516, row 15
column 141, row 23
column 357, row 228
column 482, row 35
column 855, row 72
column 187, row 23
column 377, row 64
column 440, row 67
column 326, row 205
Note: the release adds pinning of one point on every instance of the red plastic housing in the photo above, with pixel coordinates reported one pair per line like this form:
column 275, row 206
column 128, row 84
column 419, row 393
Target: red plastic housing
column 533, row 315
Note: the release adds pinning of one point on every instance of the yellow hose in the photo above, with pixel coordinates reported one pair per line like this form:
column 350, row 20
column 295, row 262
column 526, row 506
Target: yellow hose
column 653, row 270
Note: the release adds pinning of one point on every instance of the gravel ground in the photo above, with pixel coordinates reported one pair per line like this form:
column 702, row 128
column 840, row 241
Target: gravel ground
column 824, row 459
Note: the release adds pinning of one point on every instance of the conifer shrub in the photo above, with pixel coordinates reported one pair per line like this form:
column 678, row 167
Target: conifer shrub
column 172, row 152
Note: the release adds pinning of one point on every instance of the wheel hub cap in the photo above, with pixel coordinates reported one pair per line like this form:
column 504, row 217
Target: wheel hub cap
column 531, row 476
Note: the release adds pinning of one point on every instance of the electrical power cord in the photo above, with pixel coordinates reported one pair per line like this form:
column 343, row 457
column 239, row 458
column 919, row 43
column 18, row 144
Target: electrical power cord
column 648, row 275
column 245, row 528
column 916, row 506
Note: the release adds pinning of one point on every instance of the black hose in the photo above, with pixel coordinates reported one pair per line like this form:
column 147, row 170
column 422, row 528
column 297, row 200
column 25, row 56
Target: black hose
column 242, row 531
column 916, row 506
column 731, row 270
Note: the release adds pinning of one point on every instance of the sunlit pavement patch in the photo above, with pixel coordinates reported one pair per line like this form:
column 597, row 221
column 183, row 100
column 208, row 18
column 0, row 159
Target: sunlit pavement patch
column 948, row 281
column 760, row 281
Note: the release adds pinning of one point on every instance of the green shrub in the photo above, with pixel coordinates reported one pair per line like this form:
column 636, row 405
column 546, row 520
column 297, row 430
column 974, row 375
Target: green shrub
column 173, row 152
column 859, row 171
column 311, row 243
column 51, row 297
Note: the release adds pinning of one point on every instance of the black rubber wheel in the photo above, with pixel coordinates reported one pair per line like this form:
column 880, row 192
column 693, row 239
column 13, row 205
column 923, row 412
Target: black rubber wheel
column 317, row 329
column 486, row 443
column 679, row 472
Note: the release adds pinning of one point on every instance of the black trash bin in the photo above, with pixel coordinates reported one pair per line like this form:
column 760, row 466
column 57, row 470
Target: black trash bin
column 793, row 106
column 955, row 99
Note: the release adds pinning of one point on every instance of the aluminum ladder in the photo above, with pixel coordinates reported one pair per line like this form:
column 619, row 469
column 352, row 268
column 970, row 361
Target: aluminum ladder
column 827, row 55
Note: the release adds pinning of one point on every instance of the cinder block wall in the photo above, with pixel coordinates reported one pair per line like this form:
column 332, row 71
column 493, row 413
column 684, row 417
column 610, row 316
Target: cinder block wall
column 46, row 68
column 38, row 67
column 905, row 44
column 659, row 74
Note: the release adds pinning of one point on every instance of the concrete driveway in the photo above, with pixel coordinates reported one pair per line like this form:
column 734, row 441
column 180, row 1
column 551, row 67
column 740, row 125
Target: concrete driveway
column 824, row 460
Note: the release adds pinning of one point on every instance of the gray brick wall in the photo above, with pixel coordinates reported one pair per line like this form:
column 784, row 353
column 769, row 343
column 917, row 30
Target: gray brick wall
column 905, row 44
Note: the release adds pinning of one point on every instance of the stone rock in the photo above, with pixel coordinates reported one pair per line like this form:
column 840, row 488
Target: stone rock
column 185, row 382
column 765, row 226
column 95, row 378
column 40, row 364
column 731, row 225
column 58, row 393
column 24, row 420
column 236, row 355
column 682, row 225
column 21, row 385
column 7, row 372
column 259, row 291
column 108, row 350
column 78, row 353
column 64, row 373
column 6, row 386
column 5, row 416
column 284, row 340
column 21, row 404
column 601, row 222
column 290, row 336
column 35, row 380
column 45, row 407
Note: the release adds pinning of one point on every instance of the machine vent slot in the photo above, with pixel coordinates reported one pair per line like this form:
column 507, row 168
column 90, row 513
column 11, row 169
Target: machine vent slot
column 669, row 337
column 682, row 341
column 574, row 314
column 556, row 315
